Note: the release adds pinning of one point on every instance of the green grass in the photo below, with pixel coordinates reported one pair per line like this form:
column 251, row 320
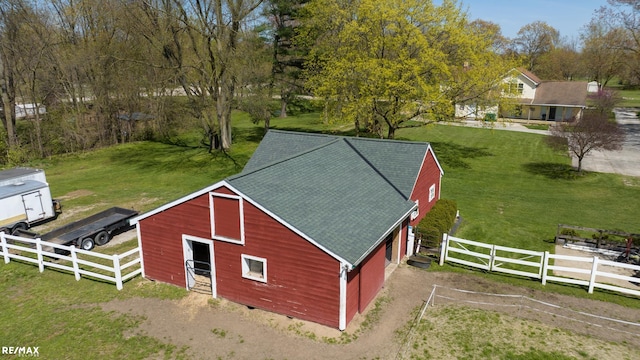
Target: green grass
column 630, row 98
column 466, row 333
column 511, row 189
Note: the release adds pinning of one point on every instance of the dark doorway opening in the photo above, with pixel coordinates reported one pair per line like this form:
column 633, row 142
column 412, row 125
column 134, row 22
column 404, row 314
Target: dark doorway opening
column 201, row 258
column 388, row 251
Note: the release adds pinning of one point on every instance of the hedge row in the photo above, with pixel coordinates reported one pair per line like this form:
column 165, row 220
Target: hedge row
column 439, row 220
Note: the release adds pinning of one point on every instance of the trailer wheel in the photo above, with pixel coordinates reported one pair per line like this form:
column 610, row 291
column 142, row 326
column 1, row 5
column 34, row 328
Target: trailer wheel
column 17, row 228
column 87, row 244
column 102, row 238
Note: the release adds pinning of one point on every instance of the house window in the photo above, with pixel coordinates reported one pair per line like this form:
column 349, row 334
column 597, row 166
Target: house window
column 520, row 88
column 227, row 218
column 432, row 192
column 254, row 268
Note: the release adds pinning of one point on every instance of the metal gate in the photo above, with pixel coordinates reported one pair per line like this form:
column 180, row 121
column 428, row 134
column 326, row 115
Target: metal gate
column 198, row 275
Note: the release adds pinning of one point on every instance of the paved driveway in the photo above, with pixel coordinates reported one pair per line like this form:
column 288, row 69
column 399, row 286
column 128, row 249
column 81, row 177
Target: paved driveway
column 625, row 161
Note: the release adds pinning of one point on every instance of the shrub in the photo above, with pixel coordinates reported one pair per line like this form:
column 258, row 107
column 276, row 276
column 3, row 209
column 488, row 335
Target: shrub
column 438, row 220
column 569, row 232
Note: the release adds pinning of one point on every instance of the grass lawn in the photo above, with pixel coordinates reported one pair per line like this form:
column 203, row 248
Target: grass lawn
column 630, row 98
column 511, row 189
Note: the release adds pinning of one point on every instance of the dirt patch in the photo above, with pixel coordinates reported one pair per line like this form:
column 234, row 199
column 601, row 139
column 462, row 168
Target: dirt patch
column 561, row 250
column 214, row 328
column 75, row 194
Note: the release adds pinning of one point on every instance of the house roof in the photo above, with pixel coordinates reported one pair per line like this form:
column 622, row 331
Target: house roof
column 565, row 93
column 343, row 194
column 531, row 76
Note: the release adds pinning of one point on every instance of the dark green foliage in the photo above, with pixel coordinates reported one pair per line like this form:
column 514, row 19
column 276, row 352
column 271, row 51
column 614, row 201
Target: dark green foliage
column 438, row 220
column 569, row 232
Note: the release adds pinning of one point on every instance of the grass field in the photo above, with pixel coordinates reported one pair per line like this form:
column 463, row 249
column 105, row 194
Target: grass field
column 630, row 98
column 511, row 189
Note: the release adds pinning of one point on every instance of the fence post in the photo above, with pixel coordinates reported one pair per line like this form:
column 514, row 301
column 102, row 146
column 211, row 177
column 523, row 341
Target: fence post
column 117, row 271
column 594, row 270
column 5, row 250
column 545, row 265
column 39, row 253
column 74, row 260
column 443, row 248
column 492, row 257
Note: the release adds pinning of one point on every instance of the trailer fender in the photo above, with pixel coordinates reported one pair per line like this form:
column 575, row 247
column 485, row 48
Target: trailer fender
column 102, row 238
column 17, row 228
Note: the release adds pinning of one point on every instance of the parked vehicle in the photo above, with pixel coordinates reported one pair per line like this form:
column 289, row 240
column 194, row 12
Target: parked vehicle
column 25, row 199
column 97, row 229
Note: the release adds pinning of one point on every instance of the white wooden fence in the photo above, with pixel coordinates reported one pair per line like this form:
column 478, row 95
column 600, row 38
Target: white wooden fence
column 534, row 264
column 72, row 259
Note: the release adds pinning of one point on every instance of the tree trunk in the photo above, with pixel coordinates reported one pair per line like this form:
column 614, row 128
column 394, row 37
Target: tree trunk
column 7, row 92
column 283, row 105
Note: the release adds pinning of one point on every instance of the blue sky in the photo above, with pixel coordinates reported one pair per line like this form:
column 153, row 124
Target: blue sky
column 567, row 16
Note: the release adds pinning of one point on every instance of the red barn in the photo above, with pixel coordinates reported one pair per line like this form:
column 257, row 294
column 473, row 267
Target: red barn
column 305, row 230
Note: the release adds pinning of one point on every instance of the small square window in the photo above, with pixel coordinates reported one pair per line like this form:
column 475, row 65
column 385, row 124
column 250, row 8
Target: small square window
column 254, row 268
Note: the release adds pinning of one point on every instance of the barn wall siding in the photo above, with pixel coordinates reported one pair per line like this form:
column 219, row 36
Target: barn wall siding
column 372, row 276
column 161, row 238
column 429, row 175
column 353, row 293
column 302, row 280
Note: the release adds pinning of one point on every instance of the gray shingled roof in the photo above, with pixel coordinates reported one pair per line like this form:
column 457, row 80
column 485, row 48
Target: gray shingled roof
column 344, row 193
column 565, row 93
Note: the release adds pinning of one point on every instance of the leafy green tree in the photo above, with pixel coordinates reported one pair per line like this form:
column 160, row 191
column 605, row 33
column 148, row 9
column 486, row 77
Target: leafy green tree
column 384, row 63
column 603, row 51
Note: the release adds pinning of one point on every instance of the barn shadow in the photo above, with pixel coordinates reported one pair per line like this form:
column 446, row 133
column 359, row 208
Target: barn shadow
column 552, row 171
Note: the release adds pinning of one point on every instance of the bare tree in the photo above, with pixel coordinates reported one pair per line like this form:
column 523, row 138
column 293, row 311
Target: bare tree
column 592, row 132
column 536, row 39
column 9, row 24
column 200, row 41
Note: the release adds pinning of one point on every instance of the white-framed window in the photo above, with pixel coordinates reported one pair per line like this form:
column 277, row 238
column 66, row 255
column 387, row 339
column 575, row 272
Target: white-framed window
column 432, row 192
column 227, row 218
column 254, row 268
column 520, row 88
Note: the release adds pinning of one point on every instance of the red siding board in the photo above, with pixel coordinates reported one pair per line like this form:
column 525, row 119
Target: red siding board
column 302, row 280
column 429, row 175
column 371, row 276
column 353, row 293
column 161, row 238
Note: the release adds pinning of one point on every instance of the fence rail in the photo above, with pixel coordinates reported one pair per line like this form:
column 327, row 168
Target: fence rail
column 540, row 263
column 71, row 259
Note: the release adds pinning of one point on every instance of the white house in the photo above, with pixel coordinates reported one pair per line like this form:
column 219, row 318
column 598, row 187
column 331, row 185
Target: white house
column 536, row 99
